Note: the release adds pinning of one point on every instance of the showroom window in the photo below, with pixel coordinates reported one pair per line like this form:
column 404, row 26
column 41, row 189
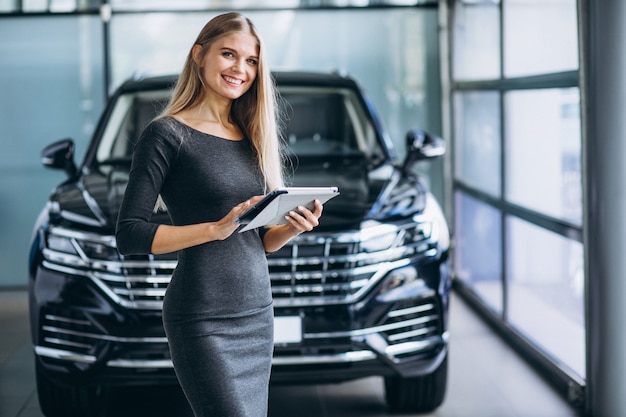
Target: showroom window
column 517, row 177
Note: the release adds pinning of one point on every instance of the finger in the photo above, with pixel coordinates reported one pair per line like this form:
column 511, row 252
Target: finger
column 252, row 200
column 308, row 215
column 304, row 219
column 317, row 209
column 295, row 220
column 241, row 208
column 256, row 199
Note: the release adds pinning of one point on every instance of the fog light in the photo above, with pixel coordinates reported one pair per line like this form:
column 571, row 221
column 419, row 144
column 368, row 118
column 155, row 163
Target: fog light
column 399, row 277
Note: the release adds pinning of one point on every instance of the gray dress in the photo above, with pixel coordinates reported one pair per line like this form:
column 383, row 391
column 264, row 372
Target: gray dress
column 217, row 311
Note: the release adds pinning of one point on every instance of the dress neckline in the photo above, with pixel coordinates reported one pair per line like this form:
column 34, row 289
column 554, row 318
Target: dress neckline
column 205, row 133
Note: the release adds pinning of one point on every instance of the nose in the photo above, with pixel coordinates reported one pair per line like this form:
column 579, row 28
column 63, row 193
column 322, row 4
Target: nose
column 238, row 65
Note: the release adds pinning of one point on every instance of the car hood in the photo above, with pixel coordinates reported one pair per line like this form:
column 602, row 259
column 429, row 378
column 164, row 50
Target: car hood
column 94, row 200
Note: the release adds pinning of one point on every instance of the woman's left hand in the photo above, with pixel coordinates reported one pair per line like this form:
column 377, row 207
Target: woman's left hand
column 299, row 221
column 304, row 220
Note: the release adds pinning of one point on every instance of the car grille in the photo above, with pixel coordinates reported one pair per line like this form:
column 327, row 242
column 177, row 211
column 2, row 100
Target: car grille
column 69, row 331
column 333, row 269
column 313, row 269
column 318, row 269
column 142, row 283
column 67, row 334
column 412, row 328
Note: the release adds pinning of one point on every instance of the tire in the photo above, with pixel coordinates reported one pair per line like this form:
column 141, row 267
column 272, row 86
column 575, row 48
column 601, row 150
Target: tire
column 65, row 400
column 420, row 394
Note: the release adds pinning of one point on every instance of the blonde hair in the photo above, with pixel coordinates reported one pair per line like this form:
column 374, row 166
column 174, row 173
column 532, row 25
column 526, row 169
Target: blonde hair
column 255, row 112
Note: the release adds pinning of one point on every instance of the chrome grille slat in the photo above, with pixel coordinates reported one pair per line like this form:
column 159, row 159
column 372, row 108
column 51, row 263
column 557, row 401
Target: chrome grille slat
column 60, row 330
column 324, row 275
column 52, row 317
column 64, row 342
column 151, row 279
column 105, row 337
column 413, row 333
column 130, row 292
column 411, row 310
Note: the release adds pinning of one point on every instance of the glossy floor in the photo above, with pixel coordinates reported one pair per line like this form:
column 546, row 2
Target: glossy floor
column 486, row 379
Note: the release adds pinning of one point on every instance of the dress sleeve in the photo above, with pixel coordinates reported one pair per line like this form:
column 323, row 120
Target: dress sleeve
column 153, row 157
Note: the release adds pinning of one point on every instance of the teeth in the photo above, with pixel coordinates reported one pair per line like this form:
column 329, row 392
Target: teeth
column 232, row 80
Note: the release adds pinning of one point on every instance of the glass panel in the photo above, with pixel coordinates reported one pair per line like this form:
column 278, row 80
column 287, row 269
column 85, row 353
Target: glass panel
column 546, row 291
column 53, row 6
column 254, row 4
column 200, row 4
column 478, row 248
column 7, row 6
column 477, row 140
column 543, row 151
column 34, row 5
column 476, row 40
column 539, row 37
column 55, row 83
column 72, row 5
column 401, row 81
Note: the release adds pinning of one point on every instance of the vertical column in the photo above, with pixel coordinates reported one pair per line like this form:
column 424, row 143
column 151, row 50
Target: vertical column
column 603, row 86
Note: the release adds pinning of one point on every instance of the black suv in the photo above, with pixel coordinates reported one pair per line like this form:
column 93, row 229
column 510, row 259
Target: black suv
column 365, row 294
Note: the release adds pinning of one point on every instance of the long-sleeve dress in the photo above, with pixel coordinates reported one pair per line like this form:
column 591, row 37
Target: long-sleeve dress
column 217, row 311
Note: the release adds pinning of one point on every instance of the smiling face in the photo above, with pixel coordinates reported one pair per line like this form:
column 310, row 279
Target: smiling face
column 230, row 66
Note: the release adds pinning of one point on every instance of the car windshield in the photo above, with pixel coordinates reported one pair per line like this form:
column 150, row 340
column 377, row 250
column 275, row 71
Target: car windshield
column 315, row 122
column 326, row 121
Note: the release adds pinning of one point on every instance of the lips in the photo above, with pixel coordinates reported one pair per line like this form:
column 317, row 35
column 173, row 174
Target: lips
column 232, row 80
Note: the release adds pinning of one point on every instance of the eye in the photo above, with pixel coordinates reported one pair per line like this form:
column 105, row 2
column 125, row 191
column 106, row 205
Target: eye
column 252, row 61
column 228, row 54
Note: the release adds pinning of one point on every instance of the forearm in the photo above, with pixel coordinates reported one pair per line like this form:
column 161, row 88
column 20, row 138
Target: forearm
column 174, row 238
column 277, row 236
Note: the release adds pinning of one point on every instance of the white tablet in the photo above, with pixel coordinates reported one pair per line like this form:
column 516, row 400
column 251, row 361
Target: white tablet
column 273, row 208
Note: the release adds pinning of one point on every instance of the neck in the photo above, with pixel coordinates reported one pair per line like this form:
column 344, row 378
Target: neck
column 215, row 111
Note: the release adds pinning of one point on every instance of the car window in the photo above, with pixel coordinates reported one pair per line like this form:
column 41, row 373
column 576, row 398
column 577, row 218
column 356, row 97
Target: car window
column 131, row 114
column 319, row 121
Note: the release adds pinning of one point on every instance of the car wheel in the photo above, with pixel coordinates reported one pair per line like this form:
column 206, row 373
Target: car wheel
column 65, row 400
column 417, row 394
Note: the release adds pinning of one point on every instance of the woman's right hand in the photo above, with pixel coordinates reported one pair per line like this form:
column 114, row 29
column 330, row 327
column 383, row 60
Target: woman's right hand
column 226, row 225
column 174, row 238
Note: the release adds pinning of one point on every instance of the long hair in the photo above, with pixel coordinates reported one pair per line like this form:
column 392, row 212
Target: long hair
column 255, row 112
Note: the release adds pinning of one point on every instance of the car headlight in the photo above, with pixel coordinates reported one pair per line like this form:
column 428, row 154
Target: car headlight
column 87, row 247
column 439, row 232
column 377, row 237
column 98, row 250
column 61, row 244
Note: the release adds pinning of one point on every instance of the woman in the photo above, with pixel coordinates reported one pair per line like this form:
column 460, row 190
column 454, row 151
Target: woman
column 210, row 156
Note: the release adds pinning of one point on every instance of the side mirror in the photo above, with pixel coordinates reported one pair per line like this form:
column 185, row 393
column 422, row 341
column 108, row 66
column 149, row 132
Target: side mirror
column 60, row 155
column 421, row 145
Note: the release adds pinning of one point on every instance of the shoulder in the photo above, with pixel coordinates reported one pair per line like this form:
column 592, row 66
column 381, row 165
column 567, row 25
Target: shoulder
column 164, row 130
column 162, row 135
column 165, row 126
